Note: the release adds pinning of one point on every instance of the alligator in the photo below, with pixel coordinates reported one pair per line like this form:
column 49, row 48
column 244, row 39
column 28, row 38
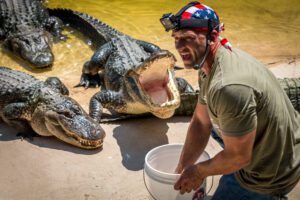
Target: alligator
column 135, row 76
column 27, row 29
column 44, row 107
column 189, row 100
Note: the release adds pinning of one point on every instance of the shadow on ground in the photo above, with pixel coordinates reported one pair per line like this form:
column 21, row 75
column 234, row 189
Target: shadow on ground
column 136, row 137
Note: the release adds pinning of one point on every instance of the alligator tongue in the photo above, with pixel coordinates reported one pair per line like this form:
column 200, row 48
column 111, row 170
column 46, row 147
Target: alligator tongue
column 156, row 89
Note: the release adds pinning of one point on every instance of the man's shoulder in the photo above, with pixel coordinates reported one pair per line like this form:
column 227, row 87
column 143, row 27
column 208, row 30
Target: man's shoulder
column 237, row 67
column 235, row 59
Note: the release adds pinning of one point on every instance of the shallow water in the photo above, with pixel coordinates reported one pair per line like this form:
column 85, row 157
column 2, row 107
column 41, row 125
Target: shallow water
column 270, row 30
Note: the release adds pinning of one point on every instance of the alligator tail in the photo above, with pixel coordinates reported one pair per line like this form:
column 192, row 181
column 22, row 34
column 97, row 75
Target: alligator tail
column 290, row 85
column 96, row 30
column 292, row 88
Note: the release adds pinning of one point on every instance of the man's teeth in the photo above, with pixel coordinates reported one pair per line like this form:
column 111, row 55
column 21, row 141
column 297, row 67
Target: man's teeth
column 185, row 56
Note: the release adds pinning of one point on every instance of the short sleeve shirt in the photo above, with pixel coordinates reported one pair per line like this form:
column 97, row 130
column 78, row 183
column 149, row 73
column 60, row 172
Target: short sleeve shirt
column 242, row 94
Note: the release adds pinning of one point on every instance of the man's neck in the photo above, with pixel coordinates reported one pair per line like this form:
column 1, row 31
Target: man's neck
column 210, row 58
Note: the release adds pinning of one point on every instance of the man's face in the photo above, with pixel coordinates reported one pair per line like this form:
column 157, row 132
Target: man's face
column 190, row 45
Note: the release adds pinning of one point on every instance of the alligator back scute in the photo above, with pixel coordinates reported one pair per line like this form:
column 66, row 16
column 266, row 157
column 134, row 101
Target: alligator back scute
column 20, row 12
column 290, row 85
column 188, row 103
column 97, row 31
column 292, row 88
column 13, row 84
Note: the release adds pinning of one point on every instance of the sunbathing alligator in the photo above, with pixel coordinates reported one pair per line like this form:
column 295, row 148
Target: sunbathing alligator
column 138, row 77
column 189, row 100
column 25, row 27
column 30, row 105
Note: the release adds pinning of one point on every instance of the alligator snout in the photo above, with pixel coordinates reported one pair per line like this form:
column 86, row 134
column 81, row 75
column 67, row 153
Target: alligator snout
column 43, row 60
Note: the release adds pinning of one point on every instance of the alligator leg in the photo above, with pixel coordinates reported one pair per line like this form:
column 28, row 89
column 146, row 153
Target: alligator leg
column 55, row 26
column 183, row 85
column 57, row 85
column 13, row 114
column 108, row 99
column 148, row 47
column 90, row 71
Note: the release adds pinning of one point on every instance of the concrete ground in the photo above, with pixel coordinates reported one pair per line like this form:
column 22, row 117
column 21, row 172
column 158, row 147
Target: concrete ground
column 46, row 168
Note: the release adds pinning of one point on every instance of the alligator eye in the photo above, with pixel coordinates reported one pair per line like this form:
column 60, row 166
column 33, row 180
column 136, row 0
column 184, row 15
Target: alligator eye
column 76, row 110
column 66, row 113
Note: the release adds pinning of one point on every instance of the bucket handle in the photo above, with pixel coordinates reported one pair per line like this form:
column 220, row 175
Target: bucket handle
column 212, row 183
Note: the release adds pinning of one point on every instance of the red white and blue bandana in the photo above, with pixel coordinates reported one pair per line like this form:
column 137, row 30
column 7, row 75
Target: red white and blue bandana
column 201, row 11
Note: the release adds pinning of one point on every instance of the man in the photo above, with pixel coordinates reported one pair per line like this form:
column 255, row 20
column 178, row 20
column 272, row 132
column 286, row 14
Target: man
column 242, row 101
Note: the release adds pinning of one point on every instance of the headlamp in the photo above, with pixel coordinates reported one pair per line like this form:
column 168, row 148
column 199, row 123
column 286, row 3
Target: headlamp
column 174, row 22
column 169, row 21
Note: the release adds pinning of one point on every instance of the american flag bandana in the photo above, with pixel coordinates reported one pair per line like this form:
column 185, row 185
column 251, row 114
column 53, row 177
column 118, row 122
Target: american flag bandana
column 201, row 11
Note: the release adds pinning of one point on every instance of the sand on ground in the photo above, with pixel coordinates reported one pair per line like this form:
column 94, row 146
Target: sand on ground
column 47, row 168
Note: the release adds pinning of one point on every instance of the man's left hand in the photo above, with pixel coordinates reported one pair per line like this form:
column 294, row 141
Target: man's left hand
column 189, row 180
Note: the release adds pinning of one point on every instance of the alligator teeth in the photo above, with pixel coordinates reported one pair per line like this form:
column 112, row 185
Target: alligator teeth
column 96, row 143
column 169, row 103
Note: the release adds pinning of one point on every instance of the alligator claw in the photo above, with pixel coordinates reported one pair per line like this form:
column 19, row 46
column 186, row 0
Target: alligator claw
column 88, row 80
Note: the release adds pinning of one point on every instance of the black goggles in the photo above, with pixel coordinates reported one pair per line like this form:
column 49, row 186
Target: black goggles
column 174, row 22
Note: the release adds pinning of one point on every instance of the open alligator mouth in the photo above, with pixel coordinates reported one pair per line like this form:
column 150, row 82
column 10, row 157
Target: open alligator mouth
column 156, row 85
column 156, row 82
column 157, row 79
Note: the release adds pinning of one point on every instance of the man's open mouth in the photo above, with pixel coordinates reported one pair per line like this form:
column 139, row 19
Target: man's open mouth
column 185, row 56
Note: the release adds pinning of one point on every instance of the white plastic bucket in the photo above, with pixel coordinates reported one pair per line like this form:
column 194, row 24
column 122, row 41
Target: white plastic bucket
column 159, row 177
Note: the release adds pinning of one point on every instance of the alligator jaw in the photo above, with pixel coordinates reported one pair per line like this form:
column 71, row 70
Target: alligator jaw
column 156, row 84
column 59, row 130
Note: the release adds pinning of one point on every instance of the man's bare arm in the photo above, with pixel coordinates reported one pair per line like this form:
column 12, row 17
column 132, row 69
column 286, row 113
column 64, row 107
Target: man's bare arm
column 236, row 155
column 196, row 139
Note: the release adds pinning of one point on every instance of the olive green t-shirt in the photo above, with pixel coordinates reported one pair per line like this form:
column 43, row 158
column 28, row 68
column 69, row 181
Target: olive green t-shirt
column 242, row 94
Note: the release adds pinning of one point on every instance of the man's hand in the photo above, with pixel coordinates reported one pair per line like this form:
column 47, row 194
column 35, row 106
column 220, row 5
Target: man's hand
column 189, row 180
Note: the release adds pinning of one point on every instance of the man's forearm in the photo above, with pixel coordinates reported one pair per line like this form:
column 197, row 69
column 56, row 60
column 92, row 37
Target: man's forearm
column 195, row 143
column 236, row 155
column 222, row 163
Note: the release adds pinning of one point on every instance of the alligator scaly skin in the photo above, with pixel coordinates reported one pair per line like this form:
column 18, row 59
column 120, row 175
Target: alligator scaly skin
column 29, row 104
column 26, row 28
column 290, row 85
column 121, row 59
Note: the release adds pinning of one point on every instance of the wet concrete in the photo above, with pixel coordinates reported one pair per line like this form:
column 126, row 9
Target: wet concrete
column 46, row 168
